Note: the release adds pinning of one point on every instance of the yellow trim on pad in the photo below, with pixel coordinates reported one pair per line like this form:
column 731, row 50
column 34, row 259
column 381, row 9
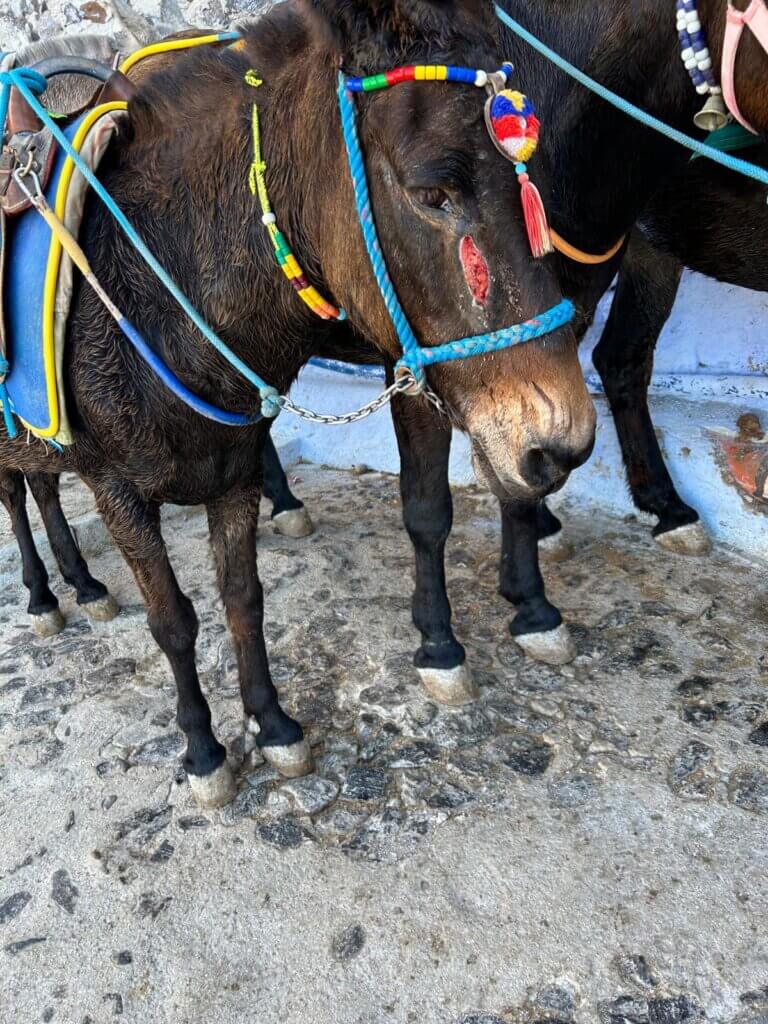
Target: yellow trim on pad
column 166, row 47
column 54, row 262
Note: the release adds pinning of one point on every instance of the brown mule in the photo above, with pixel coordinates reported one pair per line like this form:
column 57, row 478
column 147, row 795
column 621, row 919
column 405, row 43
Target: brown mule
column 180, row 172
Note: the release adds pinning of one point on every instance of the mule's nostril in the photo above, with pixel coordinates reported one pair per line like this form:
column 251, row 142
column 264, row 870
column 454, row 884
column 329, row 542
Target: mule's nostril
column 548, row 467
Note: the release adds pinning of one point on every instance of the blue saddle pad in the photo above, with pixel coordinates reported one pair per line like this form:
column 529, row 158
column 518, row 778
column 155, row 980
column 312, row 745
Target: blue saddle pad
column 32, row 381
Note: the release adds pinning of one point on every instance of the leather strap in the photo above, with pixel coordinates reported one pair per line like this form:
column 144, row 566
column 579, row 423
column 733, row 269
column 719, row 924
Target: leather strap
column 572, row 253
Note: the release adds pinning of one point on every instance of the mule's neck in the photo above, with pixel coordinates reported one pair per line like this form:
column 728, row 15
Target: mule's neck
column 604, row 165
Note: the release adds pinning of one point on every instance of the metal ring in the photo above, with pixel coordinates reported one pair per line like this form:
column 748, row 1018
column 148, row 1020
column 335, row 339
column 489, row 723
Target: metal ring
column 408, row 382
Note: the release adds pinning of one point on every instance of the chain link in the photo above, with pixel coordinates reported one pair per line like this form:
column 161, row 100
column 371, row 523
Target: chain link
column 402, row 385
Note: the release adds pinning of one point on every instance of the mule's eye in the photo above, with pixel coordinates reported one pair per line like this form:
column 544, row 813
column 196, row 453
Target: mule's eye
column 434, row 198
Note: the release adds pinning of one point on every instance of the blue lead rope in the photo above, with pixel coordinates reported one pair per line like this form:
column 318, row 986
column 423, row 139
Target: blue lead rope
column 725, row 159
column 414, row 357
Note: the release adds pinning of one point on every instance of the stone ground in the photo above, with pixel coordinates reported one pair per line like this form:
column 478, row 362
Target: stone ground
column 582, row 844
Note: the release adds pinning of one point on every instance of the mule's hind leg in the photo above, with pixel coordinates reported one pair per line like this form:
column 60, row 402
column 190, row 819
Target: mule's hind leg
column 290, row 517
column 646, row 291
column 424, row 441
column 43, row 608
column 538, row 627
column 135, row 527
column 233, row 523
column 96, row 600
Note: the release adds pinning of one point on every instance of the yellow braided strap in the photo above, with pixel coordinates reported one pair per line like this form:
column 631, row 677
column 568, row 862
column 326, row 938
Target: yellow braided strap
column 283, row 254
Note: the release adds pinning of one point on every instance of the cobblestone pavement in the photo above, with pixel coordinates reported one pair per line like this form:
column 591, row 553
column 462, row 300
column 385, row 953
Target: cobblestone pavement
column 581, row 844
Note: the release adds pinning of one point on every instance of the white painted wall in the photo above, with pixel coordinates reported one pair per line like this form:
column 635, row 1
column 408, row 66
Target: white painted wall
column 711, row 366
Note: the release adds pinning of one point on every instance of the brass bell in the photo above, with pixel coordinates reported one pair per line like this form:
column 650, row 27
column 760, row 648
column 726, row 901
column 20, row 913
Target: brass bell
column 713, row 114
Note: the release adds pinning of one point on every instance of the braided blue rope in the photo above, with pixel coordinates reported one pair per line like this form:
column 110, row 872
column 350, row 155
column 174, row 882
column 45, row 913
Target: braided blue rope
column 414, row 357
column 406, row 337
column 482, row 344
column 731, row 162
column 270, row 405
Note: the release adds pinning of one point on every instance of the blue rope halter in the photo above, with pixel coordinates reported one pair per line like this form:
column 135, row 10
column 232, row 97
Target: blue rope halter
column 415, row 358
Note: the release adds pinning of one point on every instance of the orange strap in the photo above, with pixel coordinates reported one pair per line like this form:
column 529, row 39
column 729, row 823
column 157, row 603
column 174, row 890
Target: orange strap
column 566, row 249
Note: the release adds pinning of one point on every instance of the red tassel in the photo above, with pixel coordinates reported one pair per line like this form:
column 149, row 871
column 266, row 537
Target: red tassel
column 535, row 218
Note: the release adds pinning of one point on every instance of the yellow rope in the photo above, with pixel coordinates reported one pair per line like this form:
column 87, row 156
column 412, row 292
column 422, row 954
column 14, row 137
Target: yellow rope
column 166, row 47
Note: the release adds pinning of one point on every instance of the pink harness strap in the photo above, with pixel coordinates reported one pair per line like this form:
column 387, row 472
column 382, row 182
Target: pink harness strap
column 756, row 17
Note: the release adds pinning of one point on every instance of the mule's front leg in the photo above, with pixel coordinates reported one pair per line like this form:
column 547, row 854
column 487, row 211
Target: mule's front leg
column 538, row 626
column 233, row 523
column 135, row 527
column 424, row 440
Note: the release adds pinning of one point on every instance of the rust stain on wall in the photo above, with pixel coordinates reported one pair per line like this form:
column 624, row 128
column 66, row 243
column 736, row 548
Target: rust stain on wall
column 743, row 461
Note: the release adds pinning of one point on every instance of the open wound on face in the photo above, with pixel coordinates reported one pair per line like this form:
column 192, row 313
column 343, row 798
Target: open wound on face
column 475, row 270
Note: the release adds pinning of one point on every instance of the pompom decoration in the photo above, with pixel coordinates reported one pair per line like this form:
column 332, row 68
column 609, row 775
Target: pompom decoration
column 514, row 128
column 514, row 124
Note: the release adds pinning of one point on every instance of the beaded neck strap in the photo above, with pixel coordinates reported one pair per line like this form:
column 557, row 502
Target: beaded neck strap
column 694, row 53
column 283, row 254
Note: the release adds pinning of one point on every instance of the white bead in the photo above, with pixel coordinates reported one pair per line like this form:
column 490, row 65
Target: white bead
column 268, row 218
column 691, row 64
column 694, row 26
column 716, row 90
column 687, row 53
column 706, row 64
column 481, row 79
column 702, row 89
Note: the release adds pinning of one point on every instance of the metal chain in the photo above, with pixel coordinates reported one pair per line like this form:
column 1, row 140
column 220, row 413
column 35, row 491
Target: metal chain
column 402, row 385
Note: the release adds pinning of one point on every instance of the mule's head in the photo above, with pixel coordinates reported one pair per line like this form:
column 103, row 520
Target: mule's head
column 449, row 217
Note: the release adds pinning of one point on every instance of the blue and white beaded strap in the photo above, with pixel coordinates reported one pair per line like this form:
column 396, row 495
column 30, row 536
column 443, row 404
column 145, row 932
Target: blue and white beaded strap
column 694, row 50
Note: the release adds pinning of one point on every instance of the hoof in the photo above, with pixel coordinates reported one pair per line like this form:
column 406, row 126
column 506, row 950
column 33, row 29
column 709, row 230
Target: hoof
column 290, row 759
column 556, row 547
column 691, row 539
column 214, row 790
column 295, row 522
column 103, row 609
column 554, row 647
column 48, row 623
column 449, row 685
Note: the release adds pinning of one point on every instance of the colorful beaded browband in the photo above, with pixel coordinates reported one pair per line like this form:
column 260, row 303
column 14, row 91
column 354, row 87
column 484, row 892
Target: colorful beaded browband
column 420, row 73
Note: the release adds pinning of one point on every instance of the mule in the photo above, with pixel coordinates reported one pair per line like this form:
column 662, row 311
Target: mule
column 186, row 152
